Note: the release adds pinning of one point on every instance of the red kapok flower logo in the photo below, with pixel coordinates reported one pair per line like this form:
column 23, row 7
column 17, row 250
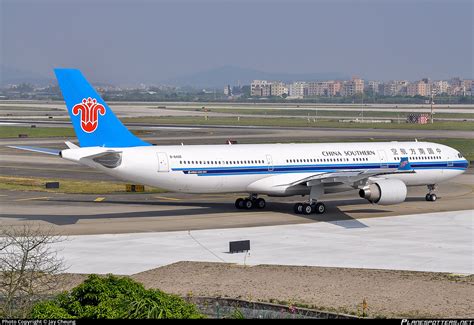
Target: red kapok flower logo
column 90, row 111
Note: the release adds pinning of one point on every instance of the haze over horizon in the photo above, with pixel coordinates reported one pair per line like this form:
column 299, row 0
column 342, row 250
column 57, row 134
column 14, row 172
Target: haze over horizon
column 130, row 42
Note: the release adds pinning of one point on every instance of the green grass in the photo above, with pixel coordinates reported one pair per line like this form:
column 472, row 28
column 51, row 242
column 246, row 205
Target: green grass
column 318, row 113
column 296, row 122
column 465, row 146
column 38, row 132
column 65, row 186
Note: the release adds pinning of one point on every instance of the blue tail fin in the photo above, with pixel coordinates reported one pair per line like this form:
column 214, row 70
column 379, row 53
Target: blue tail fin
column 94, row 122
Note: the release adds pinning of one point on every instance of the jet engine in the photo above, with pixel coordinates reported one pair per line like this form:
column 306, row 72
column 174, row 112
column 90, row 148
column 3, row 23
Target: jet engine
column 385, row 192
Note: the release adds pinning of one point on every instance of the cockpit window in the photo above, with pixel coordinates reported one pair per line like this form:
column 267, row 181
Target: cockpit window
column 459, row 155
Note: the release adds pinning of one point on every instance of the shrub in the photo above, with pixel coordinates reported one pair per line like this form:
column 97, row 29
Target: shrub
column 113, row 297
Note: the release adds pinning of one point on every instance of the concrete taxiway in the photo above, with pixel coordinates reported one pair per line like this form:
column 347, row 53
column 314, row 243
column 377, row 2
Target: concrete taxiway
column 434, row 242
column 80, row 214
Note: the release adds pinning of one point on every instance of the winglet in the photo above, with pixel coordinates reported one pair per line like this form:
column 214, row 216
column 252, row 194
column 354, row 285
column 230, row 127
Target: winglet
column 404, row 164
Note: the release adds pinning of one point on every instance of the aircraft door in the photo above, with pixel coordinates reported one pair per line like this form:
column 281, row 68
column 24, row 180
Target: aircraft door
column 270, row 163
column 383, row 159
column 163, row 165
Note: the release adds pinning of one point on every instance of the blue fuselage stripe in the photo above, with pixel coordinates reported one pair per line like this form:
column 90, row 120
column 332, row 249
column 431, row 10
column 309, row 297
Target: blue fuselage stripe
column 265, row 169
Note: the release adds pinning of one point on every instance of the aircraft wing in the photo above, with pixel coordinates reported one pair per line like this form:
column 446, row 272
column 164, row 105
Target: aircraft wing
column 281, row 183
column 351, row 177
column 346, row 176
column 47, row 151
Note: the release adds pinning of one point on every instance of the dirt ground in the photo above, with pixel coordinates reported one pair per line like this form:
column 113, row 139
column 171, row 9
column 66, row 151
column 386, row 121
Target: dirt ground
column 387, row 293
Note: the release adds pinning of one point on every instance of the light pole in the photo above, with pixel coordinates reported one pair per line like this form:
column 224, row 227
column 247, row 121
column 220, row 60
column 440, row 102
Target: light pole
column 432, row 106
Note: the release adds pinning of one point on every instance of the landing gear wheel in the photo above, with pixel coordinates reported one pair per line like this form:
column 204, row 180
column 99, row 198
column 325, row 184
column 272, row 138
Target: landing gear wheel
column 431, row 197
column 239, row 203
column 248, row 204
column 260, row 203
column 298, row 207
column 307, row 209
column 320, row 208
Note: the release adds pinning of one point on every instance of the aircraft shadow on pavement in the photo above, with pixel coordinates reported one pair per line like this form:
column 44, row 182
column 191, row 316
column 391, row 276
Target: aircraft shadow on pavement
column 333, row 215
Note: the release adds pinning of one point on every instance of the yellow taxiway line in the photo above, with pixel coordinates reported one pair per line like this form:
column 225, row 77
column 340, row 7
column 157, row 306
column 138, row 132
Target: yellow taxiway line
column 167, row 198
column 33, row 198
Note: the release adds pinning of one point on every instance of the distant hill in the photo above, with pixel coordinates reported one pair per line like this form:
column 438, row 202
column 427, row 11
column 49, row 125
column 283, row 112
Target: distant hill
column 213, row 78
column 219, row 77
column 9, row 75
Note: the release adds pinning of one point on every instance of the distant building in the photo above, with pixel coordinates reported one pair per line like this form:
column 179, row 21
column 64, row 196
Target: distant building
column 467, row 87
column 440, row 87
column 334, row 88
column 420, row 88
column 296, row 89
column 390, row 88
column 278, row 88
column 227, row 90
column 260, row 88
column 373, row 86
column 317, row 88
column 352, row 87
column 455, row 82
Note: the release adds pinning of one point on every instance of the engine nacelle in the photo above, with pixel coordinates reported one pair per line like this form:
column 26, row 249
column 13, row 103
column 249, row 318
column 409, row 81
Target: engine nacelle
column 385, row 192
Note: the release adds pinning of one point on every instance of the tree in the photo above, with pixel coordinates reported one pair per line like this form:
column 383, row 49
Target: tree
column 113, row 297
column 28, row 264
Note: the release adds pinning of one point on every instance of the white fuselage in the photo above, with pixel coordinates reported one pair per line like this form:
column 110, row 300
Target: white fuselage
column 245, row 168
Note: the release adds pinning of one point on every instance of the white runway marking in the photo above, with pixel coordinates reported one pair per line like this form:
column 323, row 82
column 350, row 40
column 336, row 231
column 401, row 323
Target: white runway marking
column 435, row 242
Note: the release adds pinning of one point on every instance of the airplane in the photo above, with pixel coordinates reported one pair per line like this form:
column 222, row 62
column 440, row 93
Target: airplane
column 380, row 171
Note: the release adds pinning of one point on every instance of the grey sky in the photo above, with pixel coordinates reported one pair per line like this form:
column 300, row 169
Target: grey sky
column 149, row 41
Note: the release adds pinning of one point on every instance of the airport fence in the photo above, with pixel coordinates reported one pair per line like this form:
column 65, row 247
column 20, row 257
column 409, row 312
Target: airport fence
column 236, row 308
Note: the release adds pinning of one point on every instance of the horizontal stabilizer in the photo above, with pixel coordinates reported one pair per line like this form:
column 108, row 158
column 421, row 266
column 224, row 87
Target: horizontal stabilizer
column 47, row 151
column 71, row 145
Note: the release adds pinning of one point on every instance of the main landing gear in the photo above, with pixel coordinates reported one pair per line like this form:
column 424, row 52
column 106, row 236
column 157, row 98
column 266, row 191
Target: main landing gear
column 251, row 202
column 308, row 208
column 431, row 196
